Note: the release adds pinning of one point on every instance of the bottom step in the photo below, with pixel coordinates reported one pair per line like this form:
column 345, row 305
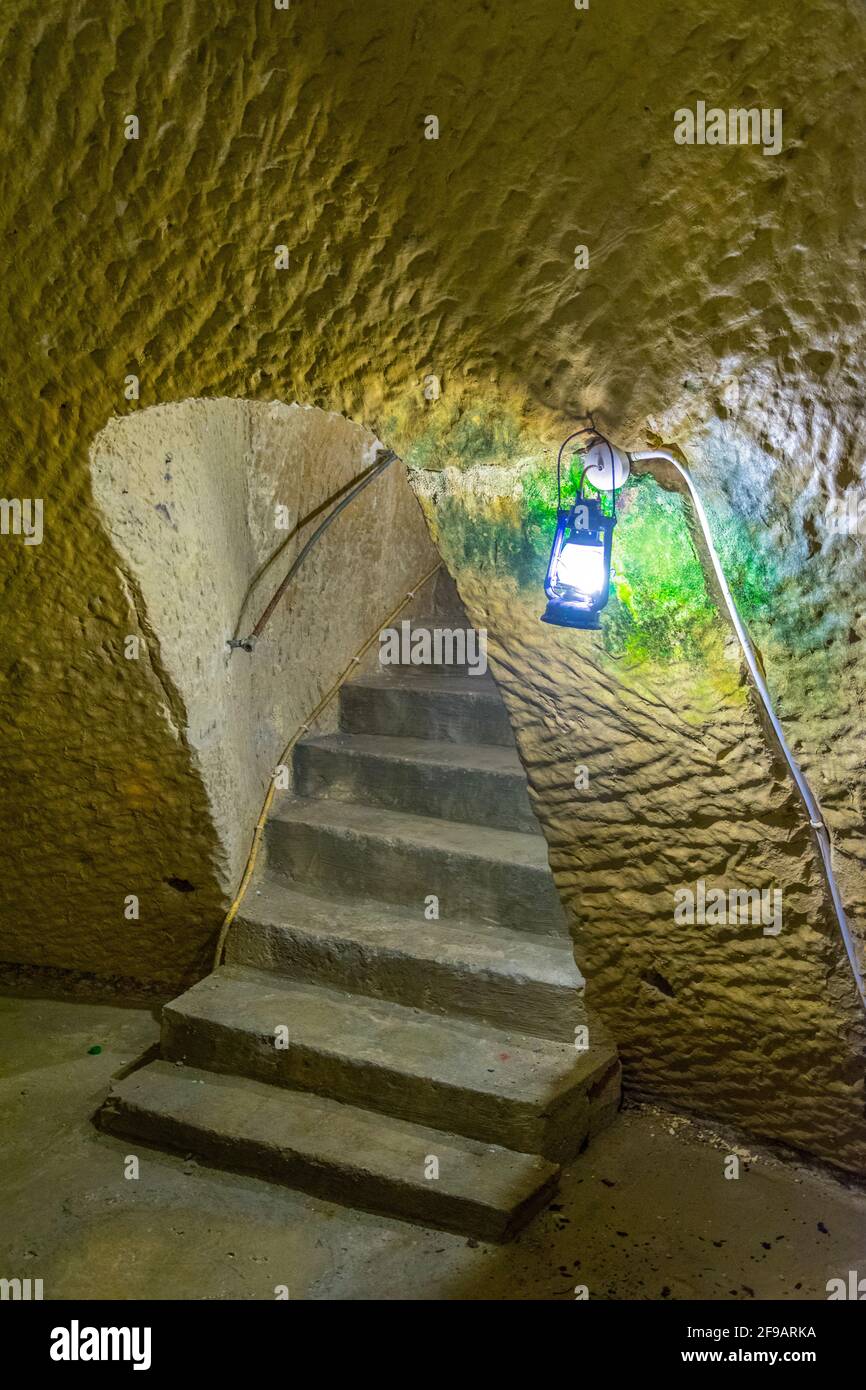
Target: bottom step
column 333, row 1150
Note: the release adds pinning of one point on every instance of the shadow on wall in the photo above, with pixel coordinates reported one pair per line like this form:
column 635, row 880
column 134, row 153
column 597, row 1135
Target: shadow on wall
column 197, row 496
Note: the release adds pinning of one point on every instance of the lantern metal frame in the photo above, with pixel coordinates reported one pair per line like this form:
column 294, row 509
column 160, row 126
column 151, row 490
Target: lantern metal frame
column 584, row 523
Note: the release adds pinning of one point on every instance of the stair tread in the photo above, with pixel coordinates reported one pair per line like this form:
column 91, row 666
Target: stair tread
column 477, row 687
column 276, row 902
column 516, row 847
column 477, row 757
column 330, row 1134
column 512, row 1066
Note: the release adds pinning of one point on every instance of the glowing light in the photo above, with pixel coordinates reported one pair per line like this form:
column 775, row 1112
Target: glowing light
column 581, row 567
column 577, row 584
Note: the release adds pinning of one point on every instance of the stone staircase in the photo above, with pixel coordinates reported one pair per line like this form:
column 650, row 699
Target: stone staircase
column 413, row 1047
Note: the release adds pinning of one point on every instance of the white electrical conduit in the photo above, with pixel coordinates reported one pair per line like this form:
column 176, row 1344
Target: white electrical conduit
column 816, row 820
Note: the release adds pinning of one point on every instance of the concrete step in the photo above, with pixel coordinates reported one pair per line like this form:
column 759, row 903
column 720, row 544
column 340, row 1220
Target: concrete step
column 504, row 978
column 496, row 1086
column 477, row 782
column 331, row 1150
column 453, row 709
column 366, row 852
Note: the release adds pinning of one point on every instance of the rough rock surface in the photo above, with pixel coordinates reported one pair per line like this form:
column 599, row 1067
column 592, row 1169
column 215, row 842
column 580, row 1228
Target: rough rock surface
column 678, row 784
column 723, row 305
column 206, row 504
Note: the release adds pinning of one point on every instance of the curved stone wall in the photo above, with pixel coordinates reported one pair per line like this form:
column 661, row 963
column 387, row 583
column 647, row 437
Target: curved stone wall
column 651, row 775
column 198, row 499
column 721, row 307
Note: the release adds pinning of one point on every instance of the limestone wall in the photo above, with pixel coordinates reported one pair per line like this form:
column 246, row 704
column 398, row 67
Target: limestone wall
column 649, row 775
column 197, row 497
column 722, row 307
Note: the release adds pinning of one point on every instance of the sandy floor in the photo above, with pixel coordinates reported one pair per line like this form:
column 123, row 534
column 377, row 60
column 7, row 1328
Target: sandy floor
column 646, row 1214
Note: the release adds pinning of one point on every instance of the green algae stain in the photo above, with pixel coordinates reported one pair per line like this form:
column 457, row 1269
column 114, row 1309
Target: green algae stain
column 489, row 541
column 754, row 576
column 459, row 434
column 660, row 609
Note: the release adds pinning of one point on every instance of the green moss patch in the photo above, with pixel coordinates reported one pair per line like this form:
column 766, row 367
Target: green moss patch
column 660, row 607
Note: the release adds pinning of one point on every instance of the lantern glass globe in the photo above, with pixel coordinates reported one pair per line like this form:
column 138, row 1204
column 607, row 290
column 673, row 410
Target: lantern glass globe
column 581, row 567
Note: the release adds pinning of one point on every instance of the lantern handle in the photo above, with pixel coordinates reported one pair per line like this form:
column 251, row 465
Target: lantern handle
column 612, row 478
column 579, row 495
column 590, row 430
